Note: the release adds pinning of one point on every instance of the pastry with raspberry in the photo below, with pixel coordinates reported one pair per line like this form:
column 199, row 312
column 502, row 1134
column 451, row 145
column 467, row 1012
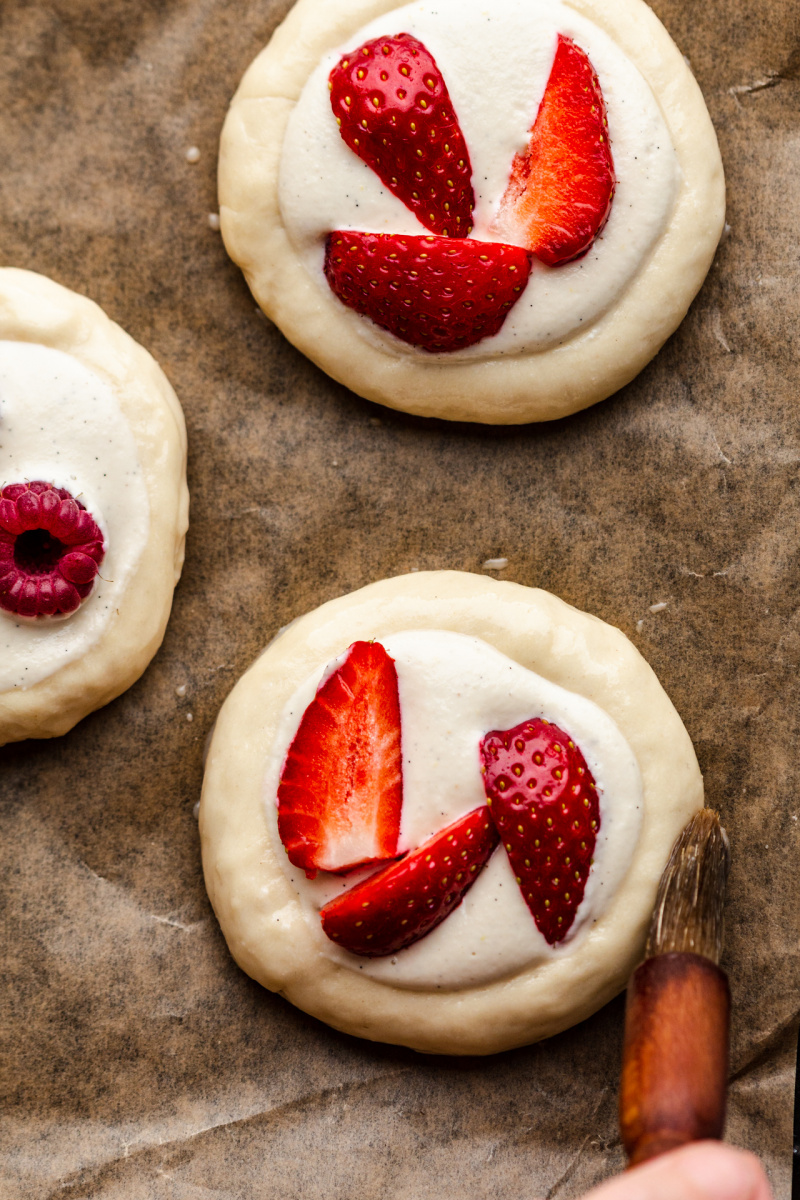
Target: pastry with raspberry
column 435, row 812
column 93, row 507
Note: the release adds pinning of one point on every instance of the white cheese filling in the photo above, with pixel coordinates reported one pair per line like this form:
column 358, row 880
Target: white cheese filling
column 454, row 690
column 62, row 423
column 495, row 59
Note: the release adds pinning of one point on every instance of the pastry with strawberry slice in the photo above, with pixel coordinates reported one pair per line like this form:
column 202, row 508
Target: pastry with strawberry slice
column 521, row 852
column 407, row 900
column 394, row 111
column 580, row 138
column 545, row 806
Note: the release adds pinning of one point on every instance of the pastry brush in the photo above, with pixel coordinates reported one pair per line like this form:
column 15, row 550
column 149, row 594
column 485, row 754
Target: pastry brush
column 675, row 1057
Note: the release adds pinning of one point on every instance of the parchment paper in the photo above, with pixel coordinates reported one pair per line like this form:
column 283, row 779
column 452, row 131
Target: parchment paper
column 139, row 1062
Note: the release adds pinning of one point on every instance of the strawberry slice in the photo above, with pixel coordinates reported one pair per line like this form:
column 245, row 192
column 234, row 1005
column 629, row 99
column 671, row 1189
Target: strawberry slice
column 544, row 803
column 341, row 788
column 402, row 903
column 561, row 187
column 440, row 294
column 394, row 111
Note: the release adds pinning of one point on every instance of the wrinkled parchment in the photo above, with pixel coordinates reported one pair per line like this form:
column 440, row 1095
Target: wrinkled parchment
column 138, row 1061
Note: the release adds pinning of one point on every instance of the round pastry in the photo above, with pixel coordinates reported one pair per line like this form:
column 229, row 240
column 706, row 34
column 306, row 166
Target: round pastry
column 487, row 214
column 436, row 811
column 93, row 507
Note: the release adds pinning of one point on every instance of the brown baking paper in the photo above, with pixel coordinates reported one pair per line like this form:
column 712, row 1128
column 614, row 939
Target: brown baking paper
column 139, row 1061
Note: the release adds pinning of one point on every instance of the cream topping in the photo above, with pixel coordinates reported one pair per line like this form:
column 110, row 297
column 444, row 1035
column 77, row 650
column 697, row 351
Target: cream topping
column 496, row 60
column 455, row 689
column 62, row 423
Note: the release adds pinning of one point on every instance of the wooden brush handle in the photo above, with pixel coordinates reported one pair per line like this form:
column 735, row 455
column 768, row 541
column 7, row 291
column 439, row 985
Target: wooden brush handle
column 675, row 1060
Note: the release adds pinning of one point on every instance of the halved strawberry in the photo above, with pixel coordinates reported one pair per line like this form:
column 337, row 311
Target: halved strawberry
column 440, row 294
column 544, row 803
column 341, row 788
column 402, row 903
column 394, row 111
column 561, row 187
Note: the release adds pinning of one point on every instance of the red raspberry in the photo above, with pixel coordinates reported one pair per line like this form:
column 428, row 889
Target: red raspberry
column 50, row 550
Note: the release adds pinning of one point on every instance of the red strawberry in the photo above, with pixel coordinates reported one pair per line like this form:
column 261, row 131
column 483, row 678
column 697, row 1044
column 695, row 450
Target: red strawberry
column 544, row 803
column 440, row 294
column 400, row 904
column 341, row 788
column 50, row 550
column 394, row 111
column 561, row 188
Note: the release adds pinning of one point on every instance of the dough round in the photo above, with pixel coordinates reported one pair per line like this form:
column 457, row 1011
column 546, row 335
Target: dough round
column 587, row 362
column 264, row 922
column 82, row 673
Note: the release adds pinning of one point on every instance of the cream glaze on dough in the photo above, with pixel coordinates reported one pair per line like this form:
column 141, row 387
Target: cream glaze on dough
column 542, row 384
column 38, row 311
column 261, row 915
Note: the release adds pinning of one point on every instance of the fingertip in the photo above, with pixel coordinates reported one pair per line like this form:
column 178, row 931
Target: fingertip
column 702, row 1171
column 722, row 1172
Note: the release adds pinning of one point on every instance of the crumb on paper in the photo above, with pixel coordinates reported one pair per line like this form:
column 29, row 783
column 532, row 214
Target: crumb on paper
column 657, row 608
column 193, row 154
column 213, row 222
column 719, row 334
column 495, row 564
column 772, row 79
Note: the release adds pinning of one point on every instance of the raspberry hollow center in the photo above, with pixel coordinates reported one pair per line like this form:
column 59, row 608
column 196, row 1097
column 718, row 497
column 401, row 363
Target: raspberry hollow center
column 51, row 549
column 37, row 552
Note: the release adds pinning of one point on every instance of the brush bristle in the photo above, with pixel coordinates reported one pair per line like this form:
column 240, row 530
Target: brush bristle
column 688, row 916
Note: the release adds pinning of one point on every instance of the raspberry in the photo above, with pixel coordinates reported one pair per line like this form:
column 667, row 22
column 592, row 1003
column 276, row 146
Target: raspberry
column 50, row 550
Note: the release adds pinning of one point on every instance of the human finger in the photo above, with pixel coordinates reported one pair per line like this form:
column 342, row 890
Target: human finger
column 702, row 1171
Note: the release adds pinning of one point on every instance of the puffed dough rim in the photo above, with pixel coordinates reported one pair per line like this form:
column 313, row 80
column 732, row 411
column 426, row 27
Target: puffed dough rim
column 35, row 309
column 259, row 912
column 533, row 387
